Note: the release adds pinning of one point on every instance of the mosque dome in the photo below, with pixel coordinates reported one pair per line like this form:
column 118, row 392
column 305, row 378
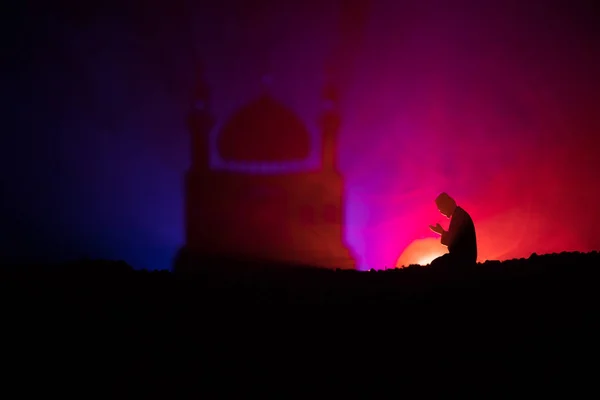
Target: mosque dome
column 264, row 131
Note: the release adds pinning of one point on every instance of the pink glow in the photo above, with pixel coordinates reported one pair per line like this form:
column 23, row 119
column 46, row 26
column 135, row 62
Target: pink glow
column 512, row 136
column 498, row 106
column 529, row 187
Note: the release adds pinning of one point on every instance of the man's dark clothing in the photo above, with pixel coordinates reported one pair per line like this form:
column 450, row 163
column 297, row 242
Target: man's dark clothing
column 460, row 239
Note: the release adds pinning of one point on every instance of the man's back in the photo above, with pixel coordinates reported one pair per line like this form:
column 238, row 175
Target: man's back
column 462, row 240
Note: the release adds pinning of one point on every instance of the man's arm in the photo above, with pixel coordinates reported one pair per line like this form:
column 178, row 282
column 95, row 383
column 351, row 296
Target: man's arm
column 447, row 237
column 453, row 230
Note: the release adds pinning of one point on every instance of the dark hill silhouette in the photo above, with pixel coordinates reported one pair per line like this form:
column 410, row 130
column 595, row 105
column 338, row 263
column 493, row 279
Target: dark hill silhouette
column 105, row 325
column 237, row 281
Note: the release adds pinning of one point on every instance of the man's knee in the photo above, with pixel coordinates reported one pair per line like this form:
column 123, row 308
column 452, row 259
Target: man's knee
column 443, row 260
column 453, row 261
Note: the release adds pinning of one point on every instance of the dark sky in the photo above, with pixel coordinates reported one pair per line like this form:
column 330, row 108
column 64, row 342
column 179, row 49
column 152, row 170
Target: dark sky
column 496, row 102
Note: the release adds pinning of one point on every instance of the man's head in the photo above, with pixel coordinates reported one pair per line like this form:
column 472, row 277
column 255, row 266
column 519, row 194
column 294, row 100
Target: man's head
column 445, row 204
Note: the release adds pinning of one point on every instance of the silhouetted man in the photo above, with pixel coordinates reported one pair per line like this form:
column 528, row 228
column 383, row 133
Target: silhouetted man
column 460, row 236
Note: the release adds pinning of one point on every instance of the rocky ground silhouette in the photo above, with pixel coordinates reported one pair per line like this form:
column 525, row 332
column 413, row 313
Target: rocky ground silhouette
column 525, row 320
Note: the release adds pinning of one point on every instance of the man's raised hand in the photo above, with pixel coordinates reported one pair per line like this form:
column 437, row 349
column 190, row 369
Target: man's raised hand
column 437, row 228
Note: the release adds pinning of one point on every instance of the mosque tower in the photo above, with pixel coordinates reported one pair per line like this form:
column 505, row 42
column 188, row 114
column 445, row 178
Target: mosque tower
column 330, row 127
column 200, row 123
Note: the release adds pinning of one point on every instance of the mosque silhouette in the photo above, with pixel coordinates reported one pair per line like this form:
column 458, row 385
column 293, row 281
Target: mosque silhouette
column 264, row 214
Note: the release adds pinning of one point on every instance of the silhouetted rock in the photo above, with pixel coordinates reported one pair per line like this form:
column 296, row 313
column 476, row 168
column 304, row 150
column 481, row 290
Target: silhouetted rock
column 141, row 321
